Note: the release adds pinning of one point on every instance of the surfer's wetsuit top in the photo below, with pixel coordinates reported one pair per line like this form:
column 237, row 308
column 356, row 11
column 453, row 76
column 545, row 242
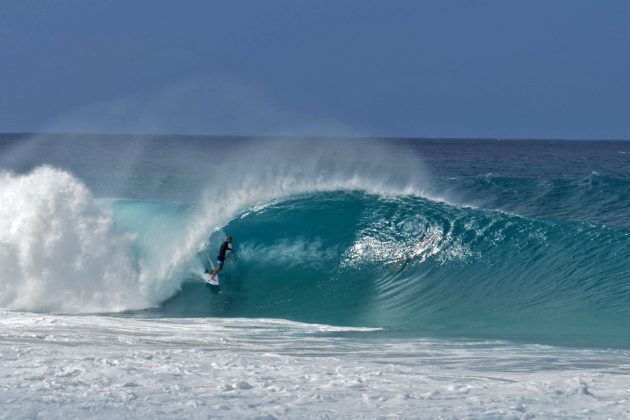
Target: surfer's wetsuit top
column 224, row 249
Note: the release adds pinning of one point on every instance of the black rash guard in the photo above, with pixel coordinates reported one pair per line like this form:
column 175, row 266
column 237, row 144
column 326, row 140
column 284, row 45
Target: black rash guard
column 224, row 248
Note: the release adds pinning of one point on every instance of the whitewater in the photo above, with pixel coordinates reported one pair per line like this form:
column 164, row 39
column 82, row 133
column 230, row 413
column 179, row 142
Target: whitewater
column 386, row 277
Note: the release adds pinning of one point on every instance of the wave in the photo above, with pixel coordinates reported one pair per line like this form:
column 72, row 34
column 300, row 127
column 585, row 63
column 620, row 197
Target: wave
column 350, row 234
column 63, row 250
column 603, row 199
column 409, row 263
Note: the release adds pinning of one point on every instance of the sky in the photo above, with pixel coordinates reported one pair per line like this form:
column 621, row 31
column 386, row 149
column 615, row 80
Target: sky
column 422, row 68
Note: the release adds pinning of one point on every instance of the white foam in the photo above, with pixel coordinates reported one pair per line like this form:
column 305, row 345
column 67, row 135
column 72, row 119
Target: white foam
column 58, row 250
column 413, row 239
column 108, row 367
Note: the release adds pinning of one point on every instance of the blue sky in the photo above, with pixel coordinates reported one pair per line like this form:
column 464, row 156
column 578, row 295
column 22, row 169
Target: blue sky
column 450, row 68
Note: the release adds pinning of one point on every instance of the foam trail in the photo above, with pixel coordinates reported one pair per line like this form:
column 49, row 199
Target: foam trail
column 59, row 251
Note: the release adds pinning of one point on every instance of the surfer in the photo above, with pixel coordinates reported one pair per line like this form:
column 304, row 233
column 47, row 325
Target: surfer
column 225, row 247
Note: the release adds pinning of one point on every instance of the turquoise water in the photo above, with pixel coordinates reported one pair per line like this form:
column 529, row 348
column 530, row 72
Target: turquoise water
column 413, row 265
column 526, row 241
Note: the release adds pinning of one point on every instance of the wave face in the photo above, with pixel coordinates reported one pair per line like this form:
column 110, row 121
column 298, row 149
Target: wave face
column 412, row 264
column 514, row 240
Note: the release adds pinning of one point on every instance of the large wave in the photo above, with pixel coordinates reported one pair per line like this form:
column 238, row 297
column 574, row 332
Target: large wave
column 347, row 233
column 409, row 263
column 62, row 250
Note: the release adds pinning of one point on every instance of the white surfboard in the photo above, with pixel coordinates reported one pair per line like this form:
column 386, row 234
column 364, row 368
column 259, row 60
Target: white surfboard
column 208, row 279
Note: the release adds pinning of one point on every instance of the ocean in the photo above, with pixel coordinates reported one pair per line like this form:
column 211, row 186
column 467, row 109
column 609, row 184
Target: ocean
column 411, row 278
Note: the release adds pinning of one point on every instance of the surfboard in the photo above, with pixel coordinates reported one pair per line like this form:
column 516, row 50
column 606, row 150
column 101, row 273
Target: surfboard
column 208, row 279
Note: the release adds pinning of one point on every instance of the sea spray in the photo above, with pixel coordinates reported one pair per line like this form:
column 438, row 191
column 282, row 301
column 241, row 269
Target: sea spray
column 59, row 251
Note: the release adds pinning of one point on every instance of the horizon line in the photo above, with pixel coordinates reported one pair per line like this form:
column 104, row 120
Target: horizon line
column 314, row 137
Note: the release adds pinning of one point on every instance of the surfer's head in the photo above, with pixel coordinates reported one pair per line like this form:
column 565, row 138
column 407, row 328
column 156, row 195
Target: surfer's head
column 229, row 238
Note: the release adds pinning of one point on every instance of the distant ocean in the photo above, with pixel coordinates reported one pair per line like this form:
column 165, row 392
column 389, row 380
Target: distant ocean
column 412, row 277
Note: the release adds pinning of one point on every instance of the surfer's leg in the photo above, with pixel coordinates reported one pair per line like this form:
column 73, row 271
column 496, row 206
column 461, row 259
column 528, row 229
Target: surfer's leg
column 218, row 268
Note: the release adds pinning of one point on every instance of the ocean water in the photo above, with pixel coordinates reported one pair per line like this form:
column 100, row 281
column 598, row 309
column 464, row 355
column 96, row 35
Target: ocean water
column 371, row 277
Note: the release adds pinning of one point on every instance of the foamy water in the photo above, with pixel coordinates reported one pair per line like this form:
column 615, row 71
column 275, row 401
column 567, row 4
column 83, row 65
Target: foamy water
column 59, row 251
column 104, row 367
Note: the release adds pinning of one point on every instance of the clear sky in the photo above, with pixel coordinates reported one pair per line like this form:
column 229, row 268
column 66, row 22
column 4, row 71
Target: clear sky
column 422, row 68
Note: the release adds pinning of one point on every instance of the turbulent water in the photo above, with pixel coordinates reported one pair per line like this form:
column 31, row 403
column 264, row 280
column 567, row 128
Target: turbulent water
column 412, row 244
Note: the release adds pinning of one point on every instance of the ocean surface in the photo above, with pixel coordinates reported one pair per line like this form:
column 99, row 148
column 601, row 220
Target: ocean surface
column 371, row 277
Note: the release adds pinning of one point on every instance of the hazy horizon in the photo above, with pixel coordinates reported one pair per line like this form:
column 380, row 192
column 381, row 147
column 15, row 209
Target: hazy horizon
column 288, row 136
